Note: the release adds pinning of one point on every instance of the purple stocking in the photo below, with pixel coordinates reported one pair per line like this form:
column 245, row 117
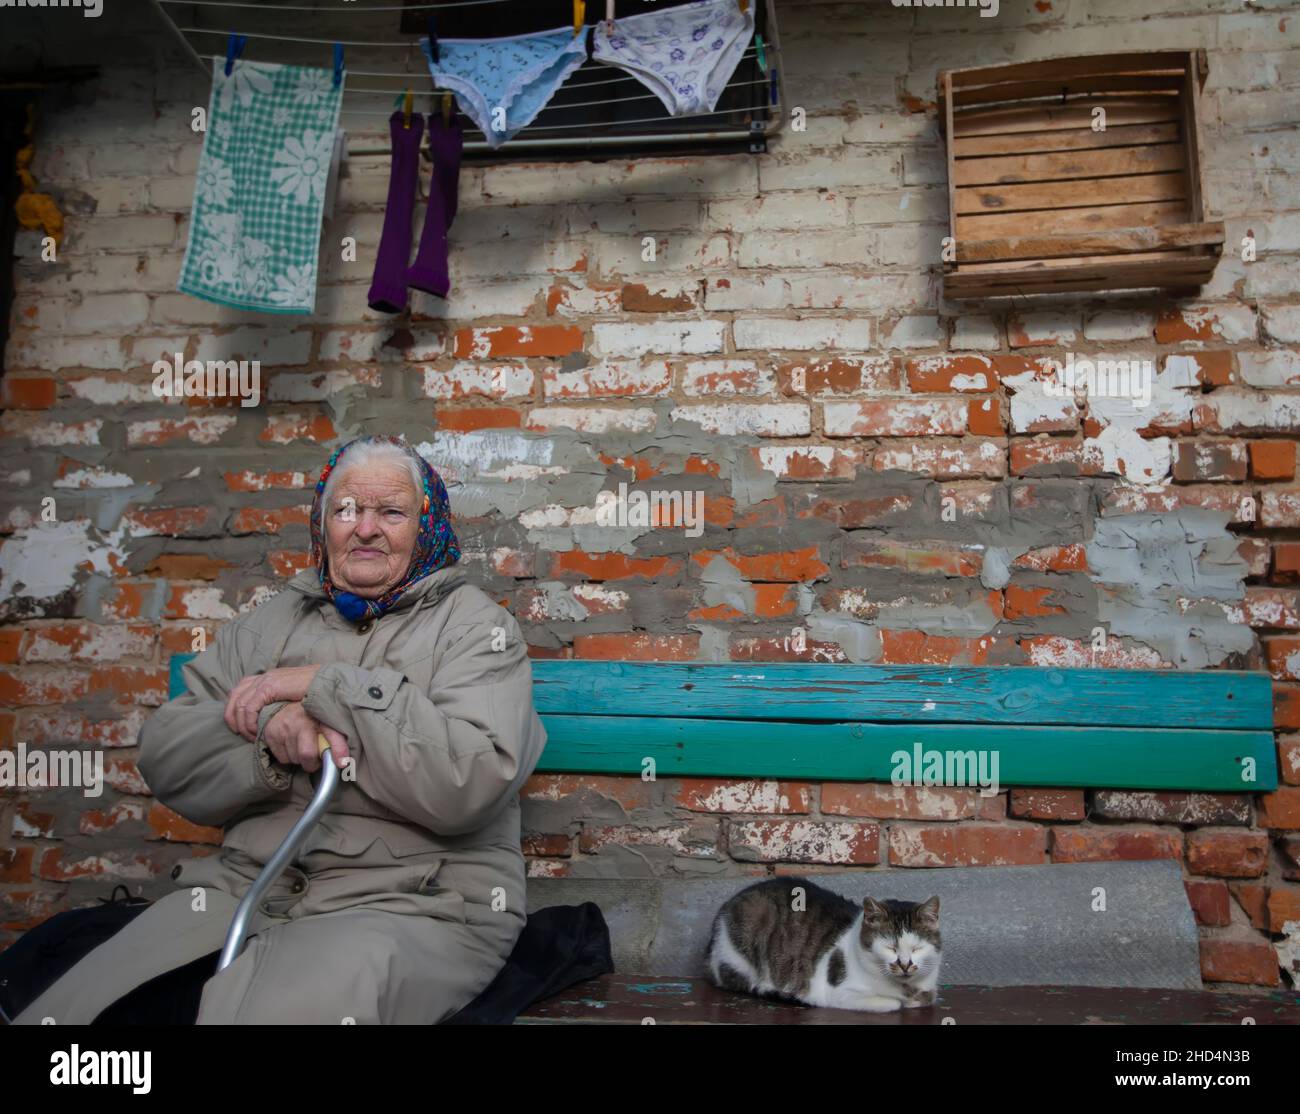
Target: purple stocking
column 388, row 287
column 429, row 271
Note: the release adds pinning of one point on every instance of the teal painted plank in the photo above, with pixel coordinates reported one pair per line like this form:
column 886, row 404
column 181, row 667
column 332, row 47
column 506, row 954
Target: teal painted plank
column 907, row 694
column 175, row 681
column 1119, row 758
column 640, row 724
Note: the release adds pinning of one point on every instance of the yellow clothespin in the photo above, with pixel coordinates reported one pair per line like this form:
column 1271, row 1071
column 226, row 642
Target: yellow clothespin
column 744, row 5
column 446, row 110
column 579, row 16
column 407, row 103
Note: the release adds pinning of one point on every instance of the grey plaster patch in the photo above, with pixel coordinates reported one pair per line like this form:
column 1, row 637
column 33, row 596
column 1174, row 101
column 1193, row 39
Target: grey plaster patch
column 860, row 641
column 995, row 572
column 1001, row 926
column 1154, row 560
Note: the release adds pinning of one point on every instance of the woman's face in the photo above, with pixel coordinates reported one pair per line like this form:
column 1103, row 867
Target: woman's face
column 371, row 523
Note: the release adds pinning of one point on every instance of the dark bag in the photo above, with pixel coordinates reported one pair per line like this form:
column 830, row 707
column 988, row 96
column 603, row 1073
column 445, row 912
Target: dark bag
column 559, row 946
column 41, row 956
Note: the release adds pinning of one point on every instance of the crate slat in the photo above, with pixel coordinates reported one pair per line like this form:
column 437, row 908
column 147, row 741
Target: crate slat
column 1071, row 165
column 1132, row 135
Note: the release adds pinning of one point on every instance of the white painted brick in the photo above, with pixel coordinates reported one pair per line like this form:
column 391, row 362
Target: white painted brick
column 583, row 301
column 712, row 378
column 594, row 419
column 808, row 249
column 893, row 128
column 1270, row 368
column 46, row 434
column 638, row 217
column 912, row 332
column 856, row 170
column 466, row 378
column 976, row 333
column 925, row 166
column 471, row 300
column 690, row 337
column 129, row 234
column 108, row 313
column 802, row 336
column 318, row 386
column 780, row 212
column 38, row 351
column 610, row 378
column 914, row 205
column 677, row 251
column 271, row 347
column 1120, row 325
column 914, row 247
column 1043, row 327
column 750, row 292
column 877, row 294
column 782, row 419
column 1282, row 323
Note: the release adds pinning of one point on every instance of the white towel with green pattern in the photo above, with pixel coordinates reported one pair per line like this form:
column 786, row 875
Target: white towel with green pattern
column 255, row 226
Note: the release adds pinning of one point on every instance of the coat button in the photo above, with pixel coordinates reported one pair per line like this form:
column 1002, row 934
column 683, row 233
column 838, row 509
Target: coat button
column 376, row 692
column 176, row 871
column 363, row 627
column 297, row 887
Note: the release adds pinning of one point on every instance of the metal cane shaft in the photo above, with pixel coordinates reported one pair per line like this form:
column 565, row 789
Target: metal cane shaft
column 284, row 855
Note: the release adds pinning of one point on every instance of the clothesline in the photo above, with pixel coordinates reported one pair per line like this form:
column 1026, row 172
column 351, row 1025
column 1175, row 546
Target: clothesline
column 347, row 7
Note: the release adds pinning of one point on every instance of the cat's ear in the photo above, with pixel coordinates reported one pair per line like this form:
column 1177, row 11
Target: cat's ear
column 872, row 910
column 928, row 911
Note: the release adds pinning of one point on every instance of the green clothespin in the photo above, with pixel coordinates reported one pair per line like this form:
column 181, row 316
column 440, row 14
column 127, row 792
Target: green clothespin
column 762, row 54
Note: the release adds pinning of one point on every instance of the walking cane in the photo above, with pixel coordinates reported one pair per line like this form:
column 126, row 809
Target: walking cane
column 284, row 854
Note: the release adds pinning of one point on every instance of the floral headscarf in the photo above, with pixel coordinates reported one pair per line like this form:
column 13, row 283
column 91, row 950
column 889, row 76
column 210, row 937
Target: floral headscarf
column 435, row 544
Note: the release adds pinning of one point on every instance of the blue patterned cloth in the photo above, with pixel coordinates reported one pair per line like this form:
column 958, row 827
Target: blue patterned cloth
column 684, row 55
column 255, row 226
column 502, row 84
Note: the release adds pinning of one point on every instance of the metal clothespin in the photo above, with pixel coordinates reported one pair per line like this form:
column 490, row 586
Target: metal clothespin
column 407, row 102
column 234, row 48
column 338, row 64
column 609, row 16
column 579, row 16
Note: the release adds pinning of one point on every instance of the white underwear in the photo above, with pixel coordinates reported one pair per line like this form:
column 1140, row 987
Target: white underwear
column 684, row 55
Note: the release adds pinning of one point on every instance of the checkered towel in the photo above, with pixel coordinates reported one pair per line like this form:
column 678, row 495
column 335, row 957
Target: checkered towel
column 256, row 223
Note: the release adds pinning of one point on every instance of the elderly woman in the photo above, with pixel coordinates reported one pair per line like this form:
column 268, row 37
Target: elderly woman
column 408, row 896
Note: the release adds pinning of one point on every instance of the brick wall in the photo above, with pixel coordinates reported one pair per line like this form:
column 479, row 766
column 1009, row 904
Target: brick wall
column 786, row 353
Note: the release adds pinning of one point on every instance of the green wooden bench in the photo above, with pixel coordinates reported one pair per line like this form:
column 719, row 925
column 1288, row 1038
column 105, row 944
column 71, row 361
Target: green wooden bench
column 1117, row 729
column 1080, row 728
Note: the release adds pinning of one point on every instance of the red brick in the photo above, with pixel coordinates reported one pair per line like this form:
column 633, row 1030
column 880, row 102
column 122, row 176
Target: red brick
column 744, row 648
column 638, row 298
column 1197, row 461
column 804, row 841
column 1173, row 327
column 269, row 520
column 518, row 340
column 22, row 687
column 1253, row 963
column 984, row 417
column 1172, row 808
column 1048, row 804
column 917, row 557
column 1227, row 854
column 468, row 418
column 10, row 639
column 175, row 522
column 1253, row 899
column 27, row 394
column 1286, row 562
column 837, row 376
column 187, row 566
column 1283, row 908
column 170, row 825
column 89, row 642
column 910, row 647
column 1209, row 901
column 31, row 823
column 1280, row 809
column 612, row 566
column 128, row 814
column 630, row 792
column 288, row 562
column 16, row 864
column 1023, row 602
column 248, row 480
column 559, row 846
column 732, row 795
column 1054, row 558
column 967, row 845
column 698, row 840
column 283, row 429
column 1286, row 707
column 637, row 647
column 792, row 566
column 1288, row 758
column 128, row 600
column 909, row 802
column 1097, row 845
column 1272, row 460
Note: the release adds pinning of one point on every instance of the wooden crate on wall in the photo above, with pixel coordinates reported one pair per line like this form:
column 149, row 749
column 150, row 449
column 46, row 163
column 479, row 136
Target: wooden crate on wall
column 1041, row 201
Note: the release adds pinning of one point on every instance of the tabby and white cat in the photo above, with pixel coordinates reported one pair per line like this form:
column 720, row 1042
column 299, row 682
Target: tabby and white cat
column 792, row 940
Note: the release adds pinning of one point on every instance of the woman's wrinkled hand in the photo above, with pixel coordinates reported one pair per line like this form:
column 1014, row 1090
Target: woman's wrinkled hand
column 290, row 736
column 254, row 693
